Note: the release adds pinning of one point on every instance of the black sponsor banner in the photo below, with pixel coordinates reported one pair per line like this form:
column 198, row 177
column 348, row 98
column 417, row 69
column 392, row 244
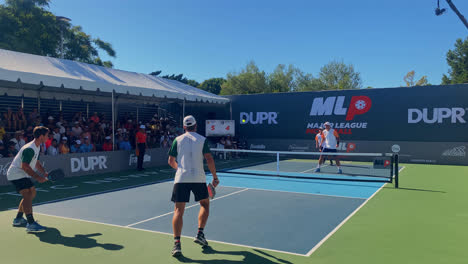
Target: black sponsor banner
column 93, row 163
column 429, row 114
column 453, row 153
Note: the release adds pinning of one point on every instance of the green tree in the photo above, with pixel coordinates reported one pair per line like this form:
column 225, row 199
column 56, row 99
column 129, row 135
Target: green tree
column 457, row 59
column 249, row 81
column 212, row 85
column 282, row 79
column 26, row 26
column 306, row 82
column 339, row 76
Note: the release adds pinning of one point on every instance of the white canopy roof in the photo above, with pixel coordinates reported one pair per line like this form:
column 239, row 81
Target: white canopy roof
column 45, row 74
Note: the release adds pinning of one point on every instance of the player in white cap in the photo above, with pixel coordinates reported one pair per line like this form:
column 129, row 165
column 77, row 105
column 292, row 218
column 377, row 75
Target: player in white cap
column 331, row 140
column 186, row 156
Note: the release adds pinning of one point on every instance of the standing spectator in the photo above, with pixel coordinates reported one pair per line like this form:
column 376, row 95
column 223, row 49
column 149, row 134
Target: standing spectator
column 228, row 142
column 63, row 147
column 107, row 146
column 2, row 130
column 125, row 144
column 21, row 119
column 95, row 118
column 77, row 130
column 87, row 146
column 29, row 135
column 52, row 150
column 33, row 116
column 141, row 145
column 76, row 148
column 86, row 133
column 51, row 125
column 165, row 143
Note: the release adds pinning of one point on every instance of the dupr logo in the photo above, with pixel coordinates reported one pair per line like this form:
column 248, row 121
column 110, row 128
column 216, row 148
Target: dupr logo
column 439, row 115
column 257, row 118
column 333, row 105
column 88, row 163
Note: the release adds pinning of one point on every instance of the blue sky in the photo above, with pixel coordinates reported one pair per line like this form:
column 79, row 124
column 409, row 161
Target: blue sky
column 209, row 38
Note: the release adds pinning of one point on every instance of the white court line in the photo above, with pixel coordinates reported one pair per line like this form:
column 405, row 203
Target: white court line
column 344, row 221
column 170, row 234
column 159, row 216
column 314, row 168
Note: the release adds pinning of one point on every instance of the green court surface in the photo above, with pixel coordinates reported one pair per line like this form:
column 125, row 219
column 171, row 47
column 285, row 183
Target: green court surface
column 424, row 221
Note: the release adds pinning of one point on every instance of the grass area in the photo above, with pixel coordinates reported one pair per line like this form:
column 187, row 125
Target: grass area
column 422, row 222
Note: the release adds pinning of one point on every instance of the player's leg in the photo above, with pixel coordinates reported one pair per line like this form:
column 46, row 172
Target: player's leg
column 338, row 164
column 180, row 196
column 201, row 195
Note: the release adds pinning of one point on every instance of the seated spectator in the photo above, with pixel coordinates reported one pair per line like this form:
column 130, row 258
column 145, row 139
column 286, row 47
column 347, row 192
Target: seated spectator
column 52, row 150
column 87, row 146
column 62, row 129
column 11, row 152
column 86, row 133
column 3, row 151
column 76, row 147
column 51, row 123
column 95, row 118
column 228, row 142
column 165, row 143
column 48, row 143
column 77, row 130
column 56, row 134
column 125, row 144
column 28, row 134
column 63, row 147
column 18, row 140
column 107, row 146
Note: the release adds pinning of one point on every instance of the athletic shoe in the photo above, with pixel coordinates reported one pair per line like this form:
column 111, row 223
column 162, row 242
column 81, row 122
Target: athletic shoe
column 317, row 170
column 340, row 171
column 19, row 222
column 200, row 239
column 34, row 228
column 177, row 250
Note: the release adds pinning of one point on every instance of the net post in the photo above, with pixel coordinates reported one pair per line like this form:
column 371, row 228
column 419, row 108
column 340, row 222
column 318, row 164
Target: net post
column 277, row 163
column 392, row 164
column 396, row 170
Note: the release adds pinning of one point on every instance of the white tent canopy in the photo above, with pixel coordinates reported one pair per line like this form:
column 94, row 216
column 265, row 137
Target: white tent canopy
column 63, row 79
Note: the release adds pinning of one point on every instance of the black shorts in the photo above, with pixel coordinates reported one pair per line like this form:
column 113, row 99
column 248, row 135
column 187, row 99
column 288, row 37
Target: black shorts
column 23, row 183
column 328, row 150
column 181, row 192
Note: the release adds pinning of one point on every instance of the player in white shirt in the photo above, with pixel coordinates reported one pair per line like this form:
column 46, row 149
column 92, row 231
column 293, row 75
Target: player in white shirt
column 22, row 169
column 186, row 156
column 331, row 140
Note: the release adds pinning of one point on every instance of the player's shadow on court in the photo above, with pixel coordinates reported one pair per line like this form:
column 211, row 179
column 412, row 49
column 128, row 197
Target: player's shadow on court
column 53, row 236
column 249, row 257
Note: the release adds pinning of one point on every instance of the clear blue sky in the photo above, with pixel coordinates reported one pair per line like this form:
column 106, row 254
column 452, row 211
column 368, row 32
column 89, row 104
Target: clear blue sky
column 383, row 39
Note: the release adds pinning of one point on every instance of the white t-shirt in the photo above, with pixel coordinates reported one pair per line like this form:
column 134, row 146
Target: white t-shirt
column 31, row 152
column 329, row 138
column 189, row 149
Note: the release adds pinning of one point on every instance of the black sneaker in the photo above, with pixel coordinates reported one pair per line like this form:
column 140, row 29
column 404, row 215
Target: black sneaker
column 177, row 250
column 200, row 239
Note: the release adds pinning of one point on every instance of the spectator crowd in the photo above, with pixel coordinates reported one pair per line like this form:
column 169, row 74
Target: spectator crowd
column 82, row 134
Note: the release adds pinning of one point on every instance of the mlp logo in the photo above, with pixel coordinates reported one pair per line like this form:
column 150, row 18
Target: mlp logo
column 258, row 118
column 334, row 105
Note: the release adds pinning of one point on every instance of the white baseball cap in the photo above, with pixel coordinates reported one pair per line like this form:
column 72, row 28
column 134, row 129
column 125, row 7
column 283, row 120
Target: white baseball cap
column 327, row 124
column 108, row 137
column 64, row 138
column 189, row 121
column 142, row 126
column 78, row 142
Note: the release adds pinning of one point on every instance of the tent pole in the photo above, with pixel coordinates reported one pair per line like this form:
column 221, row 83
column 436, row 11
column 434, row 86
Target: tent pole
column 137, row 115
column 230, row 109
column 87, row 111
column 183, row 109
column 113, row 121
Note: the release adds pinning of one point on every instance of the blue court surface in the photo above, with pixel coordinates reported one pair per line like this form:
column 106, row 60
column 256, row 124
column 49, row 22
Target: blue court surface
column 286, row 215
